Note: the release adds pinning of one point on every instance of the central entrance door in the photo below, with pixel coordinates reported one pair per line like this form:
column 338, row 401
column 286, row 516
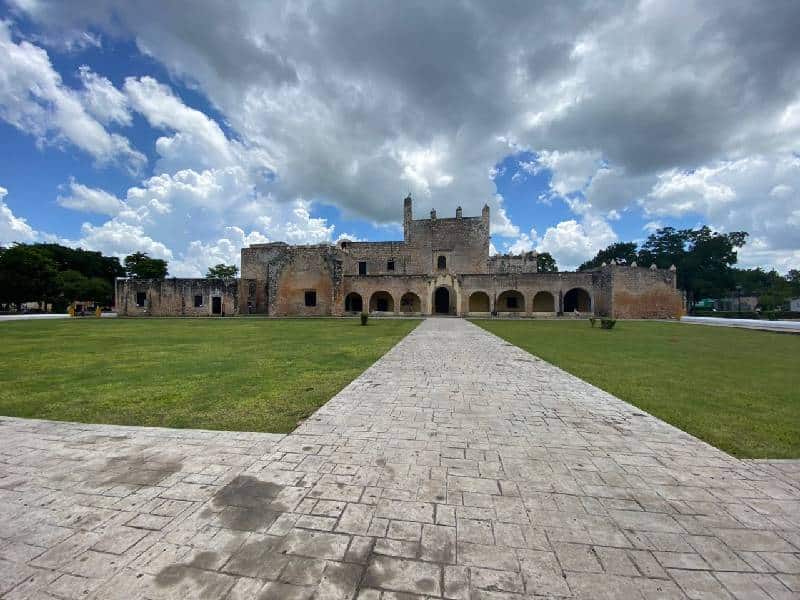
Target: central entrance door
column 441, row 301
column 216, row 305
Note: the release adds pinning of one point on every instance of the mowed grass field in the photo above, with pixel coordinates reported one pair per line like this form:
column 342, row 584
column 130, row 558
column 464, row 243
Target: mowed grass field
column 235, row 374
column 738, row 390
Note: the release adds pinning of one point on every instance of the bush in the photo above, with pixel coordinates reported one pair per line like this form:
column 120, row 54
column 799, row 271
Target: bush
column 364, row 318
column 607, row 323
column 592, row 321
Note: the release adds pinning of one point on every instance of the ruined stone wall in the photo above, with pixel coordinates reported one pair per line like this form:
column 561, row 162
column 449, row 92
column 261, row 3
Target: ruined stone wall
column 377, row 255
column 463, row 241
column 640, row 293
column 506, row 263
column 176, row 297
column 255, row 267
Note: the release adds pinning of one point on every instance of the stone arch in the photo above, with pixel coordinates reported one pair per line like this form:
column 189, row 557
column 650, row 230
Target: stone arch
column 479, row 302
column 410, row 303
column 544, row 302
column 510, row 301
column 577, row 299
column 381, row 302
column 353, row 302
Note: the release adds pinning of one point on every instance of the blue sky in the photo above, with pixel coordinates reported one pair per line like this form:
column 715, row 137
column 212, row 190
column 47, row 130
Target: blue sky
column 125, row 130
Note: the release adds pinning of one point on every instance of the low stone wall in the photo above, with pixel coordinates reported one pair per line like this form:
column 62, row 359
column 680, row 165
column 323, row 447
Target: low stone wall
column 177, row 297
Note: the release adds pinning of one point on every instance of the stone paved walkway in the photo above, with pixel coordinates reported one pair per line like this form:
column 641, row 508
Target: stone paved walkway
column 457, row 466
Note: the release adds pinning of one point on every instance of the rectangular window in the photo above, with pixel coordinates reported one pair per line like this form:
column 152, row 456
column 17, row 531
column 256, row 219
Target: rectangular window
column 311, row 298
column 198, row 301
column 362, row 267
column 390, row 265
column 511, row 302
column 141, row 298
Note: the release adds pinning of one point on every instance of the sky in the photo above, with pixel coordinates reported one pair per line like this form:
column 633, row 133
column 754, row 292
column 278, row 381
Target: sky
column 188, row 133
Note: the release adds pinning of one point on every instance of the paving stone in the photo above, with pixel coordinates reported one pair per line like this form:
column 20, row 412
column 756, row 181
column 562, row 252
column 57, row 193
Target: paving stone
column 339, row 581
column 274, row 590
column 699, row 585
column 615, row 561
column 456, row 445
column 542, row 574
column 356, row 518
column 303, row 571
column 493, row 557
column 456, row 583
column 577, row 557
column 404, row 530
column 404, row 575
column 315, row 544
column 407, row 511
column 438, row 544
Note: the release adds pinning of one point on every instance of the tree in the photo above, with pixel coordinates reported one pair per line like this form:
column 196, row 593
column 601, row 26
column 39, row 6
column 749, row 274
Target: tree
column 72, row 285
column 141, row 266
column 545, row 263
column 624, row 252
column 100, row 291
column 27, row 274
column 222, row 271
column 703, row 258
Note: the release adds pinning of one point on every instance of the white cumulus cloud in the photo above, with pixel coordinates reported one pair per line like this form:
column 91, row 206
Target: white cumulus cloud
column 34, row 99
column 12, row 228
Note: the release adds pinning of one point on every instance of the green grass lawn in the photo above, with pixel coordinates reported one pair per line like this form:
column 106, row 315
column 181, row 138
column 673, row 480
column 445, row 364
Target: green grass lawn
column 236, row 374
column 736, row 389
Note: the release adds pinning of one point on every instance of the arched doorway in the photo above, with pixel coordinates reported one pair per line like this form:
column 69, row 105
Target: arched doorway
column 353, row 302
column 410, row 303
column 510, row 301
column 479, row 302
column 381, row 302
column 577, row 299
column 544, row 302
column 441, row 301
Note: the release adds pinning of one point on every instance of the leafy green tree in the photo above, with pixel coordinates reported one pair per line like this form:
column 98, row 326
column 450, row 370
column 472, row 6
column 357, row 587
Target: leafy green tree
column 72, row 285
column 222, row 271
column 703, row 258
column 99, row 290
column 140, row 266
column 624, row 252
column 545, row 263
column 86, row 262
column 27, row 274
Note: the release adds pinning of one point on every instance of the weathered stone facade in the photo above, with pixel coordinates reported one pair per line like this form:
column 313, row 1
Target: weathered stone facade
column 442, row 266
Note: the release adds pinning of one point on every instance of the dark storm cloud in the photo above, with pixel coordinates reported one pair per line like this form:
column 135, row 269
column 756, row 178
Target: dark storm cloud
column 359, row 102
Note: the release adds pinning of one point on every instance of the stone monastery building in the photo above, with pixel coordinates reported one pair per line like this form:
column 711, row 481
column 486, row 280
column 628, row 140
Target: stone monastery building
column 442, row 266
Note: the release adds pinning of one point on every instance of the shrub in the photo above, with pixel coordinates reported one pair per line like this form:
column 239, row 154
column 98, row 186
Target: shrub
column 364, row 318
column 608, row 323
column 592, row 321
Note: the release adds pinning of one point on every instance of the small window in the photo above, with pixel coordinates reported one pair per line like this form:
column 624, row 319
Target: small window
column 390, row 265
column 511, row 302
column 251, row 289
column 362, row 267
column 198, row 301
column 311, row 298
column 141, row 298
column 441, row 263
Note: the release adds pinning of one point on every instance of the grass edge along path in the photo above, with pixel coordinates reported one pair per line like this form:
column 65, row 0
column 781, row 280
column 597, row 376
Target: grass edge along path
column 737, row 389
column 221, row 374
